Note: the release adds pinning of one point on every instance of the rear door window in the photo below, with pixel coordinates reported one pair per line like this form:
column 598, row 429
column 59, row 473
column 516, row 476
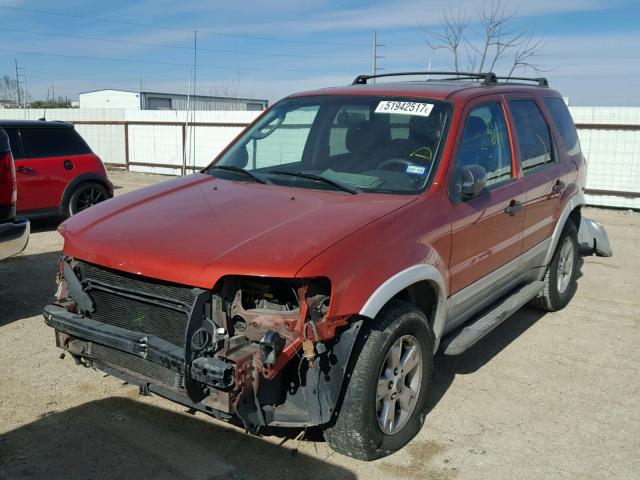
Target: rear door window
column 16, row 144
column 564, row 123
column 532, row 132
column 52, row 142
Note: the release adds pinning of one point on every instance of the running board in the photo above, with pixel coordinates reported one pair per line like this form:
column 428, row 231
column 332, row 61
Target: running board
column 460, row 341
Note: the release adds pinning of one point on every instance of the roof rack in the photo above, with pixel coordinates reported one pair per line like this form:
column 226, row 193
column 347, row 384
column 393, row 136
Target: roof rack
column 541, row 81
column 487, row 77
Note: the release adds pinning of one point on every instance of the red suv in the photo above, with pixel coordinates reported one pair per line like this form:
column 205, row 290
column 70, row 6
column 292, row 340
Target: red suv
column 14, row 233
column 309, row 275
column 57, row 172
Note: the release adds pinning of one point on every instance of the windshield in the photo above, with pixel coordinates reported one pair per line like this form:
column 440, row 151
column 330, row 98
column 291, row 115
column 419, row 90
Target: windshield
column 353, row 144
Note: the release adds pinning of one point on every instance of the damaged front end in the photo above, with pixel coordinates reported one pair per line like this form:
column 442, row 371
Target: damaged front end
column 264, row 350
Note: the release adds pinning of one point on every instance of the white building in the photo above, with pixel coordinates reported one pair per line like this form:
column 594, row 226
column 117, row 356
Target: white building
column 166, row 101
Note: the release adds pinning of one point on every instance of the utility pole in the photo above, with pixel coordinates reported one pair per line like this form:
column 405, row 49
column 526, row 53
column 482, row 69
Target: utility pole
column 24, row 87
column 17, row 83
column 374, row 55
column 193, row 114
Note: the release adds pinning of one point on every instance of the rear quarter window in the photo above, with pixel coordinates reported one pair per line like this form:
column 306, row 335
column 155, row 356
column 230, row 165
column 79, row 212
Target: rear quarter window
column 52, row 142
column 16, row 144
column 564, row 123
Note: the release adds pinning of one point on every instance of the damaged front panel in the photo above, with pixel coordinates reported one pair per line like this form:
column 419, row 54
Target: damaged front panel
column 263, row 349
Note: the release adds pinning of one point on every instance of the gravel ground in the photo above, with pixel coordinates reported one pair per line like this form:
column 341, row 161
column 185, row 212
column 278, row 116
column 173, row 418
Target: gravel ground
column 543, row 396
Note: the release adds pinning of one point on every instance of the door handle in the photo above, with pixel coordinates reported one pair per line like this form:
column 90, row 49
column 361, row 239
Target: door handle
column 558, row 187
column 513, row 208
column 24, row 169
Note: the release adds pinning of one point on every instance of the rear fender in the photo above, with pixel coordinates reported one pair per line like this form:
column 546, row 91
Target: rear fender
column 574, row 202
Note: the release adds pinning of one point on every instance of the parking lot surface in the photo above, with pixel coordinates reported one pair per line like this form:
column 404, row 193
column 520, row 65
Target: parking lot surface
column 543, row 396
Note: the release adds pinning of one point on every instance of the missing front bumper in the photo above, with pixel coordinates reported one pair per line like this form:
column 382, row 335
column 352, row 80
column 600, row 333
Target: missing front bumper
column 136, row 352
column 148, row 347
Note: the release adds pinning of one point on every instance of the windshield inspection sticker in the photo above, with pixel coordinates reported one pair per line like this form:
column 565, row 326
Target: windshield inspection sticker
column 405, row 108
column 416, row 170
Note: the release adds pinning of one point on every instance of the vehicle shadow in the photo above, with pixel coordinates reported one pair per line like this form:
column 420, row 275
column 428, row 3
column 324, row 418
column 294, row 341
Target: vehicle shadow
column 119, row 438
column 27, row 283
column 447, row 367
column 45, row 224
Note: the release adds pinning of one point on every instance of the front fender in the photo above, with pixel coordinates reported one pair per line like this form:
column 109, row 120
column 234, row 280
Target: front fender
column 403, row 279
column 372, row 265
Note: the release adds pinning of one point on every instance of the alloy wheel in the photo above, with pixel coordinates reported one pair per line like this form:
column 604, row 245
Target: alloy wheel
column 566, row 263
column 399, row 384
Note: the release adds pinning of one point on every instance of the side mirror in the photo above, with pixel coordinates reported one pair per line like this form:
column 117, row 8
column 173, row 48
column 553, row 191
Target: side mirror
column 239, row 158
column 473, row 180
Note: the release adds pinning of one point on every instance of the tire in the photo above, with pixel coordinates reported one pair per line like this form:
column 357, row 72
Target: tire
column 357, row 430
column 84, row 196
column 560, row 284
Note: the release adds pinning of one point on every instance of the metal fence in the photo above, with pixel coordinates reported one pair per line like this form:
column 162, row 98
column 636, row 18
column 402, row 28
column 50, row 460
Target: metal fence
column 157, row 145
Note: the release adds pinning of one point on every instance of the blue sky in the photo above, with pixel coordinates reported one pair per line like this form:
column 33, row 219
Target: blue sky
column 268, row 49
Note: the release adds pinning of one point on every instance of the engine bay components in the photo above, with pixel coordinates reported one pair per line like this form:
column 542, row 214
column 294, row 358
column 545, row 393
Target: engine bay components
column 271, row 344
column 213, row 372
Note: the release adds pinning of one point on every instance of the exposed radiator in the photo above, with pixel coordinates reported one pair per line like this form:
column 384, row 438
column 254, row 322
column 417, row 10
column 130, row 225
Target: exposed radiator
column 138, row 303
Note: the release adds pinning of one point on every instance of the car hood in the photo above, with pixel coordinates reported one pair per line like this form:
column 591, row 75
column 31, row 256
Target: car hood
column 195, row 229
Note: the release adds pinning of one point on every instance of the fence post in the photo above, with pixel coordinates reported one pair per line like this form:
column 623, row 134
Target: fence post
column 126, row 145
column 184, row 149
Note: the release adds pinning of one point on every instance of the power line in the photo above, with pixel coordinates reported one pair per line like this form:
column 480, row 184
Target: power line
column 164, row 45
column 150, row 62
column 148, row 25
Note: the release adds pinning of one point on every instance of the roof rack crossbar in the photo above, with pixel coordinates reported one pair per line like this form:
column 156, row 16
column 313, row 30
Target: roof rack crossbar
column 486, row 77
column 541, row 81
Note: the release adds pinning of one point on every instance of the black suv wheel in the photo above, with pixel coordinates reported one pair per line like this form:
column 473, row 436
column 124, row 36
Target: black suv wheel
column 85, row 196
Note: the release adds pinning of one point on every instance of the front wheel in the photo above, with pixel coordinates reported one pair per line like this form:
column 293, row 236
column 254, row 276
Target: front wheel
column 86, row 195
column 385, row 401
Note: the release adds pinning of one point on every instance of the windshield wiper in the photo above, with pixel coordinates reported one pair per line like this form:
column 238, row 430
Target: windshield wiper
column 320, row 178
column 239, row 170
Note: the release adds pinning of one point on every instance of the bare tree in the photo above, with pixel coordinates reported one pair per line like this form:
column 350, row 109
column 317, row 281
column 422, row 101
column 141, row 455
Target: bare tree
column 8, row 88
column 525, row 51
column 496, row 41
column 230, row 91
column 451, row 37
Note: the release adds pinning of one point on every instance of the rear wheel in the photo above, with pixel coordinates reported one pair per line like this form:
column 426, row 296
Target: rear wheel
column 385, row 401
column 85, row 196
column 560, row 281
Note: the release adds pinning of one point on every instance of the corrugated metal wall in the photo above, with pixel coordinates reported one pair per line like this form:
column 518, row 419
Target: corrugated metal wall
column 199, row 103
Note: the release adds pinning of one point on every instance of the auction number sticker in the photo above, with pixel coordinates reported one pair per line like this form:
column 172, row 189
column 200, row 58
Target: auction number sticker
column 405, row 108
